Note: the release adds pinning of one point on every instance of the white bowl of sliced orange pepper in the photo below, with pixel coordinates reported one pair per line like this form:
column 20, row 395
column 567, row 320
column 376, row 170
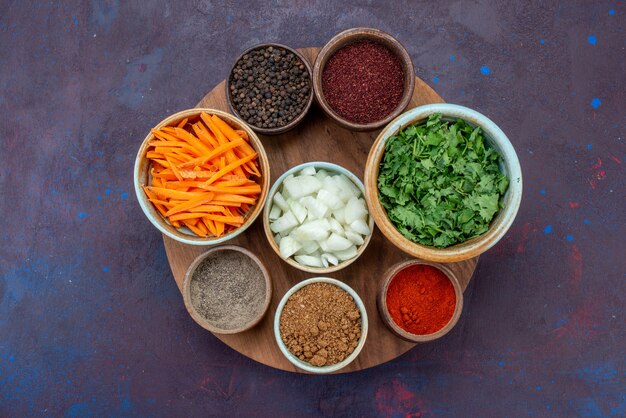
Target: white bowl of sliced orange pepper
column 201, row 176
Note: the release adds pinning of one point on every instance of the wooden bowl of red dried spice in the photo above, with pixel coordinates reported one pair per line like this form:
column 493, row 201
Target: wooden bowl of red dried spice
column 420, row 301
column 363, row 78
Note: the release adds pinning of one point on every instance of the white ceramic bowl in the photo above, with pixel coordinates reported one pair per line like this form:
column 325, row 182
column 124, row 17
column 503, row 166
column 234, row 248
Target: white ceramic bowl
column 142, row 178
column 334, row 168
column 510, row 167
column 307, row 366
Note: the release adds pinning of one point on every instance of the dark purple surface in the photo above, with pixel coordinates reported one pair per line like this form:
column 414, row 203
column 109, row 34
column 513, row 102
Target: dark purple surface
column 91, row 322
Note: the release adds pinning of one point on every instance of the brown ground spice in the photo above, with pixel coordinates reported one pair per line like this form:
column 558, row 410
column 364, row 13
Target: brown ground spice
column 321, row 324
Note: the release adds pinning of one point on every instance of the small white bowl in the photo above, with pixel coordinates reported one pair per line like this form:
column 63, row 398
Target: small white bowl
column 334, row 168
column 303, row 364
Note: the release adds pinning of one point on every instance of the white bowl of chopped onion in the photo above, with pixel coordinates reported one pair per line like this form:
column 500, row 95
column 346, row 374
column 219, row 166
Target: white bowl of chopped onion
column 316, row 217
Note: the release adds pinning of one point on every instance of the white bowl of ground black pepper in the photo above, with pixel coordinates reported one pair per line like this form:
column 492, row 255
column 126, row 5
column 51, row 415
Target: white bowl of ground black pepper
column 227, row 290
column 270, row 87
column 321, row 325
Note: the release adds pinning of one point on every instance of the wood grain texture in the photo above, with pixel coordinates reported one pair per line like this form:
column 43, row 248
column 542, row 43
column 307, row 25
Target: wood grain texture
column 316, row 139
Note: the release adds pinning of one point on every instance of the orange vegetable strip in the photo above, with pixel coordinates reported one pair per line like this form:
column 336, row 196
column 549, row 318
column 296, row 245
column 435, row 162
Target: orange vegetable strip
column 163, row 150
column 219, row 228
column 245, row 190
column 200, row 225
column 155, row 155
column 184, row 216
column 208, row 208
column 250, row 166
column 176, row 159
column 162, row 203
column 165, row 175
column 212, row 154
column 225, row 204
column 231, row 134
column 173, row 194
column 230, row 155
column 231, row 220
column 234, row 182
column 204, row 134
column 174, row 169
column 242, row 134
column 175, row 224
column 256, row 189
column 183, row 156
column 190, row 204
column 234, row 198
column 201, row 174
column 163, row 163
column 222, row 162
column 210, row 225
column 192, row 226
column 195, row 142
column 182, row 123
column 224, row 128
column 230, row 167
column 179, row 143
column 151, row 196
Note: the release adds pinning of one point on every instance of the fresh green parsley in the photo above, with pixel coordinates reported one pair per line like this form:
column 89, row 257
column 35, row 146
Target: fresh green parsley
column 439, row 182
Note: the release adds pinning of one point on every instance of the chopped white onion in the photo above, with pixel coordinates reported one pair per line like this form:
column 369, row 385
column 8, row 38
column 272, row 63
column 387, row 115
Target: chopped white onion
column 361, row 227
column 280, row 201
column 275, row 212
column 298, row 210
column 284, row 224
column 308, row 260
column 288, row 247
column 338, row 243
column 301, row 186
column 356, row 238
column 319, row 218
column 346, row 254
column 308, row 171
column 330, row 258
column 312, row 230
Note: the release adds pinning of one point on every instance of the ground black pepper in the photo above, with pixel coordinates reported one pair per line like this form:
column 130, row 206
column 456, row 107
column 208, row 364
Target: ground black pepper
column 228, row 289
column 363, row 82
column 269, row 87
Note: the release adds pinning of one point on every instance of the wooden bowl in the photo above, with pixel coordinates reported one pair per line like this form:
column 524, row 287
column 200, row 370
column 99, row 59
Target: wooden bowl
column 268, row 206
column 303, row 364
column 142, row 178
column 510, row 167
column 203, row 322
column 391, row 324
column 296, row 120
column 355, row 35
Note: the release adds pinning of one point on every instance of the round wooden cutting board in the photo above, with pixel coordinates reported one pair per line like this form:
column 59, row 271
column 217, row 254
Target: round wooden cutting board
column 317, row 138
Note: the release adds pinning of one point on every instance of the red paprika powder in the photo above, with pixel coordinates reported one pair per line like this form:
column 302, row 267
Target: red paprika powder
column 421, row 299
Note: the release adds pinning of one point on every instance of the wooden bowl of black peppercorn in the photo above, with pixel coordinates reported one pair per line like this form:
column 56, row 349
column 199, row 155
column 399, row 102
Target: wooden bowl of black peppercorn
column 270, row 87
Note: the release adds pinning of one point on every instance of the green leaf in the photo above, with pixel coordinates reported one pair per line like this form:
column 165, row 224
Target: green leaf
column 440, row 182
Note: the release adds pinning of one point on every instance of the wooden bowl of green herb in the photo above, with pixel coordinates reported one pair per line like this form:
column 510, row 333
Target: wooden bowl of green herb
column 443, row 183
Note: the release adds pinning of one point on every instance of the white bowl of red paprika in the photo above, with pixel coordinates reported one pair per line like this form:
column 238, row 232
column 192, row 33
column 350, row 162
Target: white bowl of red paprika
column 420, row 301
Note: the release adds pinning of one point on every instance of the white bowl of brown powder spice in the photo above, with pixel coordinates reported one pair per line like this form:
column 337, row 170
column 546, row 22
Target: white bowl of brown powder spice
column 321, row 325
column 227, row 290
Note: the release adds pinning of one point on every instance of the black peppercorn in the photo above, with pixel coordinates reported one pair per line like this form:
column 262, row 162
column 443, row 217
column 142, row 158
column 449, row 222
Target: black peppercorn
column 269, row 87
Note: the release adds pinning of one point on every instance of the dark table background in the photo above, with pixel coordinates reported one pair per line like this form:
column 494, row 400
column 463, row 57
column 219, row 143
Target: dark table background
column 91, row 322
